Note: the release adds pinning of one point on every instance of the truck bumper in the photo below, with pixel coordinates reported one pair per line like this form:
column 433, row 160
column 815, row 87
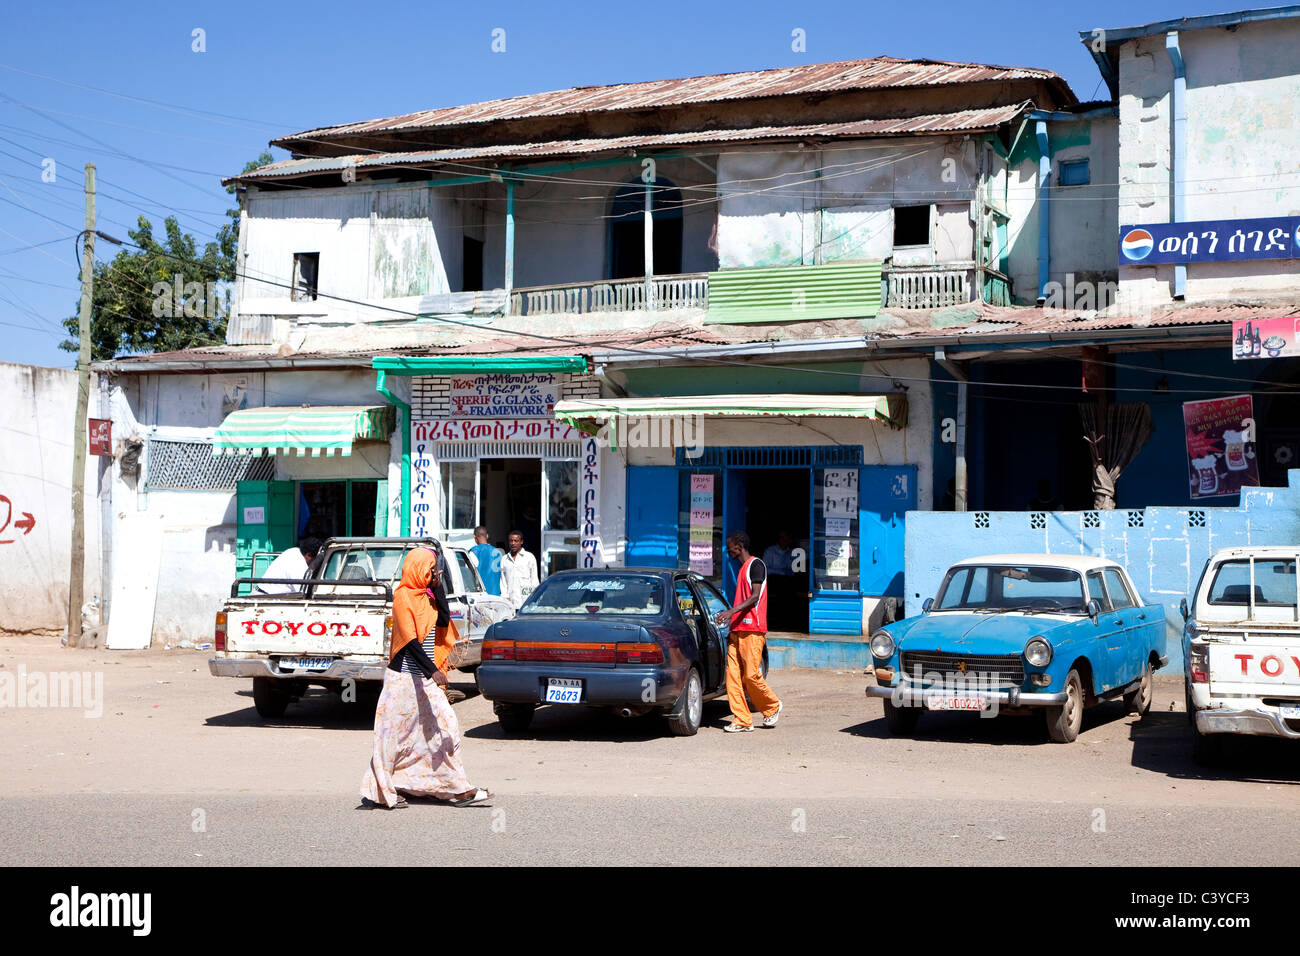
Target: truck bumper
column 260, row 667
column 1256, row 721
column 1011, row 697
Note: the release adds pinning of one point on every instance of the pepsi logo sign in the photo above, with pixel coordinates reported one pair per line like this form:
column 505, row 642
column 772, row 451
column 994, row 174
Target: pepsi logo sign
column 1137, row 244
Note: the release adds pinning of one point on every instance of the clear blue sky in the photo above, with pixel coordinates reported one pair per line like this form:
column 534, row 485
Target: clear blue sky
column 273, row 68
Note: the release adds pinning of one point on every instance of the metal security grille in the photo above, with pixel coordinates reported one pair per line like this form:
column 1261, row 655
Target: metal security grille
column 473, row 450
column 191, row 466
column 806, row 456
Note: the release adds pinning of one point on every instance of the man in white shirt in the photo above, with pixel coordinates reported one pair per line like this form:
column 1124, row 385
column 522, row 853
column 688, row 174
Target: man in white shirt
column 518, row 571
column 291, row 564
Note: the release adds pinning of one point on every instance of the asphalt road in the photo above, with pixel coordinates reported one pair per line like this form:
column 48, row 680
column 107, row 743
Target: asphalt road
column 179, row 770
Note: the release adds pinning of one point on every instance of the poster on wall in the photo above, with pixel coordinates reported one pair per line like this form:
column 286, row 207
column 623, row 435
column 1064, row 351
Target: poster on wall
column 1220, row 435
column 1210, row 240
column 701, row 527
column 523, row 395
column 1265, row 338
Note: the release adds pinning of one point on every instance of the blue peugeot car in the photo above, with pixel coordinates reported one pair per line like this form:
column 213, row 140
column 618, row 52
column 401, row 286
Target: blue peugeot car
column 632, row 640
column 1010, row 633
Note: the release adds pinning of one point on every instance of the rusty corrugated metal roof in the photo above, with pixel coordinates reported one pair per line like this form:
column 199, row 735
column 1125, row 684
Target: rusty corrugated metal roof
column 878, row 72
column 962, row 120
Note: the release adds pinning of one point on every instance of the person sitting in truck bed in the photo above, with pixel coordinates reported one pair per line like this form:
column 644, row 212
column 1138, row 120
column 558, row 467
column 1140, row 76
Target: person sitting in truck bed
column 292, row 564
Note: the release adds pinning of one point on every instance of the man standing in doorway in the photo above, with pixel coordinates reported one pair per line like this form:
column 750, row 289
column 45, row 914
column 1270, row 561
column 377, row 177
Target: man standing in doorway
column 292, row 564
column 487, row 560
column 518, row 571
column 745, row 641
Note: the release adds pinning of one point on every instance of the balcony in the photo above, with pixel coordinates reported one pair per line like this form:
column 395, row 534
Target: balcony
column 690, row 291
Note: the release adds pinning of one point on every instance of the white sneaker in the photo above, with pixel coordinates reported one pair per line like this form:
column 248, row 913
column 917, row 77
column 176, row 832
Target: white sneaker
column 771, row 721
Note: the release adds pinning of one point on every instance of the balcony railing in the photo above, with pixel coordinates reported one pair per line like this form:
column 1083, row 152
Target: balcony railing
column 928, row 286
column 689, row 291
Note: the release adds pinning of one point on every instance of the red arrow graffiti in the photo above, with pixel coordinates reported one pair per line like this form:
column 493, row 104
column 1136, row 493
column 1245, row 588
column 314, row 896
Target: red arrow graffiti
column 28, row 523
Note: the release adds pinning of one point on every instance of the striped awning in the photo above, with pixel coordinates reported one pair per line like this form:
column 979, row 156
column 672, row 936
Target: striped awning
column 891, row 409
column 315, row 430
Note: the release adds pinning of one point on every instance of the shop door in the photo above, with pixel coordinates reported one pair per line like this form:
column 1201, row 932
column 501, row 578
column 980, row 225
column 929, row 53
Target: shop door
column 888, row 492
column 735, row 508
column 264, row 528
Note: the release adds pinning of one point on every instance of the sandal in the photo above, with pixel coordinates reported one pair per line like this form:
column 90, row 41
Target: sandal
column 472, row 797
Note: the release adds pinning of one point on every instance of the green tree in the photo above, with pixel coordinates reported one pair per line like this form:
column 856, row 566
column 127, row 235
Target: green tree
column 164, row 294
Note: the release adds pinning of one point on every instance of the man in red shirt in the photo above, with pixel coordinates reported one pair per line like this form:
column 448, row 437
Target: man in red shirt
column 745, row 641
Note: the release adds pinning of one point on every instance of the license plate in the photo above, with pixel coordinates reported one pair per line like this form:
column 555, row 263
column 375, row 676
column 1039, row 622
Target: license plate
column 305, row 663
column 563, row 690
column 1290, row 711
column 954, row 703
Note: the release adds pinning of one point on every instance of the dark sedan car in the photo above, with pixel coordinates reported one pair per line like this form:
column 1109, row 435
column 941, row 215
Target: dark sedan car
column 634, row 640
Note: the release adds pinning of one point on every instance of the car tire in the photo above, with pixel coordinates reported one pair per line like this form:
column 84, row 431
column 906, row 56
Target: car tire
column 514, row 718
column 1138, row 700
column 901, row 721
column 684, row 719
column 269, row 697
column 1063, row 722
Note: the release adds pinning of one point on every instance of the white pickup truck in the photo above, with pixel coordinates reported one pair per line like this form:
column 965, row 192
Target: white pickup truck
column 1241, row 648
column 336, row 626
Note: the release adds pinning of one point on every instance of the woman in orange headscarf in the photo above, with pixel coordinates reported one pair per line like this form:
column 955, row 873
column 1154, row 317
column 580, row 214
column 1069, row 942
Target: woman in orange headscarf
column 417, row 736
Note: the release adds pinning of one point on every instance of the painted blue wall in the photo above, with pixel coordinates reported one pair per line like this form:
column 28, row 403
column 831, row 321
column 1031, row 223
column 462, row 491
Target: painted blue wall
column 1163, row 548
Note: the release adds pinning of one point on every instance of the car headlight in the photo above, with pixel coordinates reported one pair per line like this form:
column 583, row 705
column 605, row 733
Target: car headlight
column 1038, row 652
column 882, row 645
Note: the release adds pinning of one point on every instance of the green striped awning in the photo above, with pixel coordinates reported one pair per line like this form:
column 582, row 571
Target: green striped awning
column 314, row 430
column 890, row 409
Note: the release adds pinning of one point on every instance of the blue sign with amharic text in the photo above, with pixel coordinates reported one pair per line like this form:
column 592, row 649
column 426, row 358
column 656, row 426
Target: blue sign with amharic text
column 1215, row 240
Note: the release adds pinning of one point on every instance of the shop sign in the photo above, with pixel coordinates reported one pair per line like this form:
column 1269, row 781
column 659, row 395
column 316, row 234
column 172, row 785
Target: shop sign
column 504, row 396
column 589, row 505
column 496, row 429
column 1211, row 240
column 1265, row 338
column 101, row 437
column 701, row 528
column 1220, row 436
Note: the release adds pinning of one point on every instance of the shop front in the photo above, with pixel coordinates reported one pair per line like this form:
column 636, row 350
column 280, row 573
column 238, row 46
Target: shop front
column 330, row 477
column 828, row 523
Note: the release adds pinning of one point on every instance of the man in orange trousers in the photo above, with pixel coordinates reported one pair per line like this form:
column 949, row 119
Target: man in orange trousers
column 745, row 641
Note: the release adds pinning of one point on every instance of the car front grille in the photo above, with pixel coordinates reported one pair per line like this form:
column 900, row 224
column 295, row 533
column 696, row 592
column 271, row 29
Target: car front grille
column 1001, row 669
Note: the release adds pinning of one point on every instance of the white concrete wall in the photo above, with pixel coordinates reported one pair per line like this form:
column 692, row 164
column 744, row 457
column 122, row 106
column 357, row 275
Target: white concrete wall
column 1242, row 90
column 36, row 435
column 195, row 531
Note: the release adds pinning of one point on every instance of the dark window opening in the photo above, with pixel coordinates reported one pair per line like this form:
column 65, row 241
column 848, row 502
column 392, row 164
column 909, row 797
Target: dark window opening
column 911, row 225
column 306, row 269
column 471, row 265
column 627, row 230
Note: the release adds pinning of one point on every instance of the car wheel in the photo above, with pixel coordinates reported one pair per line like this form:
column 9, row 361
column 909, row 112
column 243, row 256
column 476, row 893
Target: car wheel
column 1138, row 700
column 1063, row 722
column 514, row 718
column 269, row 697
column 901, row 721
column 684, row 720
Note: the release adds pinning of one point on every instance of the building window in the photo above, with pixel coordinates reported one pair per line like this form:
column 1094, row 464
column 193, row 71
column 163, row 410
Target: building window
column 911, row 226
column 471, row 265
column 306, row 268
column 627, row 229
column 1074, row 173
column 459, row 495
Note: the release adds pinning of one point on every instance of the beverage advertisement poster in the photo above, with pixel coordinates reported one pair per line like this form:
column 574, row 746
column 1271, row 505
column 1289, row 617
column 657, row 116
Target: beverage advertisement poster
column 1265, row 338
column 1220, row 435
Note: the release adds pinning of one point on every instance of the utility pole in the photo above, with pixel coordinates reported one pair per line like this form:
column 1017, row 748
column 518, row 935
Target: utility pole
column 77, row 573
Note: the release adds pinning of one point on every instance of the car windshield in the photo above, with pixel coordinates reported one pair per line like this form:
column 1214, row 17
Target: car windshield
column 362, row 564
column 597, row 594
column 992, row 588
